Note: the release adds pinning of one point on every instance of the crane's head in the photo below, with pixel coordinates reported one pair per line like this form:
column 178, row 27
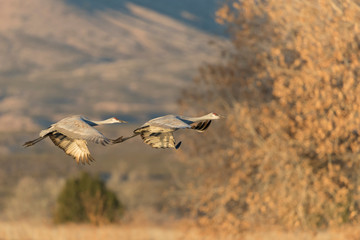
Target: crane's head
column 116, row 120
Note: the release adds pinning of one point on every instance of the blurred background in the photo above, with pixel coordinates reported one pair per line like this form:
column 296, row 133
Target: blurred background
column 128, row 59
column 285, row 73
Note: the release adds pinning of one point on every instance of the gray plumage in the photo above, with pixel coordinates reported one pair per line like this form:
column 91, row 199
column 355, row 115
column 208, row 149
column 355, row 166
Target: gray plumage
column 72, row 133
column 158, row 132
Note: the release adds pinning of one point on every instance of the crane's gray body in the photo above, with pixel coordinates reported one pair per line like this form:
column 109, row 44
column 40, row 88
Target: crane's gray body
column 77, row 127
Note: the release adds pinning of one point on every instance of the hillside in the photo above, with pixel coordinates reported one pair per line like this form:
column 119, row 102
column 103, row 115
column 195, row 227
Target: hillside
column 97, row 58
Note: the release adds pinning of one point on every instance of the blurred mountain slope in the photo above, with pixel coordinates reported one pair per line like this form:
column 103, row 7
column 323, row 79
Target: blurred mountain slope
column 198, row 13
column 97, row 58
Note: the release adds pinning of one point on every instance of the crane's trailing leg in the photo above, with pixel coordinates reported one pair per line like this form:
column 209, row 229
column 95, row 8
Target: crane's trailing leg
column 118, row 140
column 30, row 143
column 122, row 139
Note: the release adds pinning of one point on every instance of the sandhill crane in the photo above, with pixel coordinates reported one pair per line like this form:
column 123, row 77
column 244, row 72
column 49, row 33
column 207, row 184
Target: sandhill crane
column 158, row 132
column 72, row 133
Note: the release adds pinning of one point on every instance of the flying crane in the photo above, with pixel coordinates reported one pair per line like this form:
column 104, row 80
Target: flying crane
column 158, row 132
column 72, row 133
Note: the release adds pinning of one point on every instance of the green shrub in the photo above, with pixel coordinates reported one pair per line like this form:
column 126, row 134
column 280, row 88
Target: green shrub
column 86, row 199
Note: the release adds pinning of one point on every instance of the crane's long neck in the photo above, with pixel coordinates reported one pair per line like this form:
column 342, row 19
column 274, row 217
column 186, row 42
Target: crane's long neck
column 196, row 119
column 103, row 122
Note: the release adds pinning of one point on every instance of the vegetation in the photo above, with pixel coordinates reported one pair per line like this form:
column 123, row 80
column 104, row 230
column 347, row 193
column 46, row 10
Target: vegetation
column 286, row 156
column 86, row 199
column 288, row 153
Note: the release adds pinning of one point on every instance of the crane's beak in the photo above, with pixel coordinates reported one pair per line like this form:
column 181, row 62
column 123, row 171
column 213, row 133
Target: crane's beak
column 119, row 121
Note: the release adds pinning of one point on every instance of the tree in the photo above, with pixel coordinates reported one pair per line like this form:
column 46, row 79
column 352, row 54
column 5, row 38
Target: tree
column 288, row 153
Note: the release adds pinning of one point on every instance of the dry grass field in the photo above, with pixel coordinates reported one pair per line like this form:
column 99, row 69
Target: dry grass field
column 23, row 230
column 30, row 231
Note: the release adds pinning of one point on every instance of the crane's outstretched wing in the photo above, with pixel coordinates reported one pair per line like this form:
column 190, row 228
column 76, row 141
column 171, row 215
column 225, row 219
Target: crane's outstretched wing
column 77, row 148
column 159, row 139
column 75, row 127
column 201, row 126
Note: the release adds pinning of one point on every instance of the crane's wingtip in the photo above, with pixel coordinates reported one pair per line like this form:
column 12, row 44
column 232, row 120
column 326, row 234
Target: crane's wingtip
column 178, row 145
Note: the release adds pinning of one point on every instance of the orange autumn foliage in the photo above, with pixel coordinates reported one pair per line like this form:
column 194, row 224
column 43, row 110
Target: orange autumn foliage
column 288, row 152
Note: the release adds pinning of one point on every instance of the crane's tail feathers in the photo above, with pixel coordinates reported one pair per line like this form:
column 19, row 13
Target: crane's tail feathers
column 201, row 126
column 30, row 143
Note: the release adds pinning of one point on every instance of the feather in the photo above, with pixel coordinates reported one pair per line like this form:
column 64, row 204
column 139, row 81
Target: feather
column 77, row 148
column 159, row 139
